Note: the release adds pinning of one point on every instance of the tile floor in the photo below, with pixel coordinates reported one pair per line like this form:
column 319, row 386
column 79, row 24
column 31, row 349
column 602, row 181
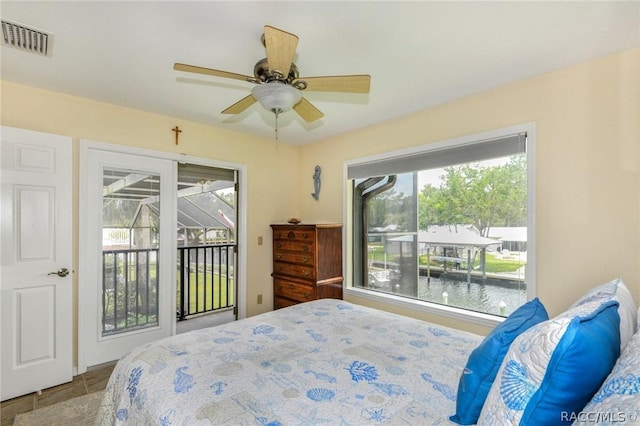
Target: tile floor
column 91, row 381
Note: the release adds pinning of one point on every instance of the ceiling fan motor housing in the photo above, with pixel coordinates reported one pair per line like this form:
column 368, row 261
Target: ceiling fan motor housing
column 262, row 73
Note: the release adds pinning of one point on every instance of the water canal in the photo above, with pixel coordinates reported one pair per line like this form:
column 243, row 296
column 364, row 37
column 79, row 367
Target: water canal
column 482, row 297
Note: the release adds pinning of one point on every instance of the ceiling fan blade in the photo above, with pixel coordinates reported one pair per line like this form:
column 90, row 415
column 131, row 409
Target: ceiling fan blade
column 307, row 111
column 210, row 71
column 281, row 46
column 338, row 83
column 240, row 106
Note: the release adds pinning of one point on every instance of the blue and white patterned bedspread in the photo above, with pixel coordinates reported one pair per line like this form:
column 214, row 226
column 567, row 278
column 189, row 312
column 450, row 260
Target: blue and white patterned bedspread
column 322, row 362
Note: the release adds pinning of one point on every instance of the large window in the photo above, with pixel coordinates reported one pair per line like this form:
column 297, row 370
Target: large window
column 447, row 224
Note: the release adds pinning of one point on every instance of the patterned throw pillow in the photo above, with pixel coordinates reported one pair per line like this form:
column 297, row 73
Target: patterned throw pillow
column 553, row 369
column 484, row 362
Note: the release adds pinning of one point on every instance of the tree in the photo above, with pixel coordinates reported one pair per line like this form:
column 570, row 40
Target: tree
column 482, row 196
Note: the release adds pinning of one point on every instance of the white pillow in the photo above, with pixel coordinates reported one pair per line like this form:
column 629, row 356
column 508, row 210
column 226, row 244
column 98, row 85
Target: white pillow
column 628, row 311
column 618, row 400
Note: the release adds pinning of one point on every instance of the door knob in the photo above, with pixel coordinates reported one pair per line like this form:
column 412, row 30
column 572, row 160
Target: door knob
column 62, row 272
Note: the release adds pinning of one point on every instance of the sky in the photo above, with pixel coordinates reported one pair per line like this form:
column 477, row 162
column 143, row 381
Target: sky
column 433, row 176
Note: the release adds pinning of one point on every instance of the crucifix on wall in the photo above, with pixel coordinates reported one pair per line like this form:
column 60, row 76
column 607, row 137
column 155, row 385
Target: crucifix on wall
column 177, row 131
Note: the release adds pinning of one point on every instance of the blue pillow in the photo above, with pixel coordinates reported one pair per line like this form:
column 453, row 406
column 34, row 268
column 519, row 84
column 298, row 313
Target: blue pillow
column 628, row 311
column 484, row 362
column 552, row 370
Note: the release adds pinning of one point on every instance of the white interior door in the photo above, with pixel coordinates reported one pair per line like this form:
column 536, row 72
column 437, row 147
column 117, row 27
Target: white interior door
column 127, row 253
column 36, row 256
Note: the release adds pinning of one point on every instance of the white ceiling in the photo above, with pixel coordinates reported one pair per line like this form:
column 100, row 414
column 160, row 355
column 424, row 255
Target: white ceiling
column 419, row 54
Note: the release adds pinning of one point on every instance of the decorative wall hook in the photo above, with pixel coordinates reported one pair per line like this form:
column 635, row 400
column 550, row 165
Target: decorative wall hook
column 316, row 183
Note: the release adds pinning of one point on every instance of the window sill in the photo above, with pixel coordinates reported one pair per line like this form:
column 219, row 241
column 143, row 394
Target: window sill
column 423, row 306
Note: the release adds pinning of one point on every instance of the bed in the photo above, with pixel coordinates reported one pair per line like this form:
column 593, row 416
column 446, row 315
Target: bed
column 333, row 362
column 326, row 361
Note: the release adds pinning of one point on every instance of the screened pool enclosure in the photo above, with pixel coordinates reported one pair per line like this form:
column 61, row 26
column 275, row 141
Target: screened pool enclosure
column 205, row 241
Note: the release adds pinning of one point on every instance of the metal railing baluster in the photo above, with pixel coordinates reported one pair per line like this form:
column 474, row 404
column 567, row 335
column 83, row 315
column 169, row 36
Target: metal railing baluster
column 132, row 268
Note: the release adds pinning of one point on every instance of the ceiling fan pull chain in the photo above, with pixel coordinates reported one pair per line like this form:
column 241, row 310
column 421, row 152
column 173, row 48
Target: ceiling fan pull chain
column 277, row 113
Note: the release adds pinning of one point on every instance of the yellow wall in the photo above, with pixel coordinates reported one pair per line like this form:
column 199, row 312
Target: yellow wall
column 588, row 159
column 272, row 167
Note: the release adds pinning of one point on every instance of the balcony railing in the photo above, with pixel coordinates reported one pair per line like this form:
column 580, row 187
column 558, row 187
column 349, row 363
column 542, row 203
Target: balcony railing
column 129, row 290
column 205, row 279
column 205, row 283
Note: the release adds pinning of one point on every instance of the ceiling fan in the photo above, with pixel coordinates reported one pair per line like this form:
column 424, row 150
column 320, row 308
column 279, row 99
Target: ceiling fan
column 278, row 84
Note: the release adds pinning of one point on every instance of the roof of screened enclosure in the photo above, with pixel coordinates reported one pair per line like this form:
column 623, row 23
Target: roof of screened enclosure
column 205, row 197
column 449, row 235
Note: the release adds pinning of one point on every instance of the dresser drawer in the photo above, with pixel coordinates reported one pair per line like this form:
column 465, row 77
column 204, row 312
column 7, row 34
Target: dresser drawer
column 294, row 257
column 293, row 245
column 294, row 234
column 292, row 290
column 294, row 270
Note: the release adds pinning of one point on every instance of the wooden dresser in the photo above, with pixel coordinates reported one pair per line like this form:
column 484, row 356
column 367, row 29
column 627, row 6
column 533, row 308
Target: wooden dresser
column 307, row 263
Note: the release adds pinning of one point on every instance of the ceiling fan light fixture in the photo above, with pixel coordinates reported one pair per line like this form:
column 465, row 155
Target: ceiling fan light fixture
column 276, row 96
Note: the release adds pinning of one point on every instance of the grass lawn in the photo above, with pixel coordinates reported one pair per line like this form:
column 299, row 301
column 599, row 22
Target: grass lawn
column 493, row 264
column 213, row 285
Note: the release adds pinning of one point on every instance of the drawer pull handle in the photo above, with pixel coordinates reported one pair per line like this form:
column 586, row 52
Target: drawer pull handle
column 305, row 248
column 305, row 260
column 279, row 288
column 291, row 235
column 278, row 256
column 305, row 235
column 278, row 245
column 306, row 273
column 306, row 295
column 291, row 286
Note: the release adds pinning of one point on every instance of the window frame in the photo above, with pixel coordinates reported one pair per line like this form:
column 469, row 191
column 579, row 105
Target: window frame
column 423, row 306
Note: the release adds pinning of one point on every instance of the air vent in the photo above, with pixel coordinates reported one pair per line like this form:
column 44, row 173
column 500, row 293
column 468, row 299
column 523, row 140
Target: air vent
column 25, row 38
